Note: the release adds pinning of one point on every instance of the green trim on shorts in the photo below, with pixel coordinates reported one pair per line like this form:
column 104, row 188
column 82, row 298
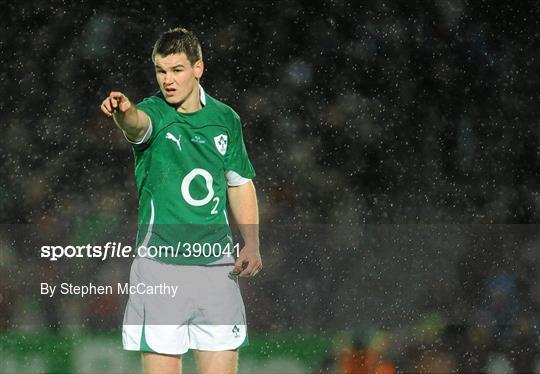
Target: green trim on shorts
column 245, row 343
column 144, row 347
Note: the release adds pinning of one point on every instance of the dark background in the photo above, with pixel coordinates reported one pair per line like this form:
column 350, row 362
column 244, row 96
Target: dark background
column 354, row 113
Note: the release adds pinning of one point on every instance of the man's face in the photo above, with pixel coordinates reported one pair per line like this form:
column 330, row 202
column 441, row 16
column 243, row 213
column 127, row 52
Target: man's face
column 176, row 77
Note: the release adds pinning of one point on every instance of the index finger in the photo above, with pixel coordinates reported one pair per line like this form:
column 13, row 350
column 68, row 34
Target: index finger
column 116, row 95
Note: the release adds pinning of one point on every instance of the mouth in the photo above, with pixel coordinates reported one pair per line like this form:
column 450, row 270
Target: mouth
column 170, row 91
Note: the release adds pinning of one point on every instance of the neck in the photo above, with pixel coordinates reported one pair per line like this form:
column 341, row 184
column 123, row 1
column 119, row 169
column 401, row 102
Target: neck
column 192, row 102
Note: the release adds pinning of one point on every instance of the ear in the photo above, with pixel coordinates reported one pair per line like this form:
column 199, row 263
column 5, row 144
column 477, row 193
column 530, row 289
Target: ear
column 199, row 68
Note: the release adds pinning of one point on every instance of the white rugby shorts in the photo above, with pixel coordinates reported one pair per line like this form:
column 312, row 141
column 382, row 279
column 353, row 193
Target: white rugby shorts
column 205, row 313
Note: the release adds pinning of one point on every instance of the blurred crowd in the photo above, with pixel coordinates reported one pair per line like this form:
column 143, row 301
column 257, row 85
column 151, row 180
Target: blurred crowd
column 354, row 113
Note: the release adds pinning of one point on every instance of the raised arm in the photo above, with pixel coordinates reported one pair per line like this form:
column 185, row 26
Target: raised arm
column 132, row 121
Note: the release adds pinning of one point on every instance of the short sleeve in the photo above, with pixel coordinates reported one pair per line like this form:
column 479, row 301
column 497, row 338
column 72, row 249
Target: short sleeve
column 236, row 159
column 156, row 109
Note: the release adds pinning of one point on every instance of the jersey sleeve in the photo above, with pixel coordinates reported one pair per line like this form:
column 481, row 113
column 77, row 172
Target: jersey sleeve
column 236, row 159
column 156, row 109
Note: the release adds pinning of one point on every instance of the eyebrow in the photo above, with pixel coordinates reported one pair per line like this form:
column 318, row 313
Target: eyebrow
column 172, row 67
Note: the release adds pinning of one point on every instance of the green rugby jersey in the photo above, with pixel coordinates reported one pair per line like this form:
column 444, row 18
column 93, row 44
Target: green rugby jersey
column 180, row 175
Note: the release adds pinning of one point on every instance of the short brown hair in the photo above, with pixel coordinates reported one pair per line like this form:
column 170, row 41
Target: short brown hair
column 178, row 40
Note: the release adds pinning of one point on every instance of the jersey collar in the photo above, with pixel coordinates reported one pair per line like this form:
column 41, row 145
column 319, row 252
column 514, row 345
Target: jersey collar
column 202, row 95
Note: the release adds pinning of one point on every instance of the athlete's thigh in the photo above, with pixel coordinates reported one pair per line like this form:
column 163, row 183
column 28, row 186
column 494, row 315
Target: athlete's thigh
column 154, row 363
column 156, row 323
column 212, row 362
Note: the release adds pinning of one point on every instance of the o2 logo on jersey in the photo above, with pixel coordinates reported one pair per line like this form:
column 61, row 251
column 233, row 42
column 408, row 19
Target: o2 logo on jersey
column 186, row 182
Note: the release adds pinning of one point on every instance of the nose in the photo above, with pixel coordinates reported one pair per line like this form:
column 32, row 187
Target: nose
column 168, row 78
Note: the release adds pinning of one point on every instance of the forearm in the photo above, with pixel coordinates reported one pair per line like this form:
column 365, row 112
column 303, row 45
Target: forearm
column 134, row 122
column 244, row 209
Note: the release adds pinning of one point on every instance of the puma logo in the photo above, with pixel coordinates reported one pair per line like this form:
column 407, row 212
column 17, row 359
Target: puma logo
column 177, row 141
